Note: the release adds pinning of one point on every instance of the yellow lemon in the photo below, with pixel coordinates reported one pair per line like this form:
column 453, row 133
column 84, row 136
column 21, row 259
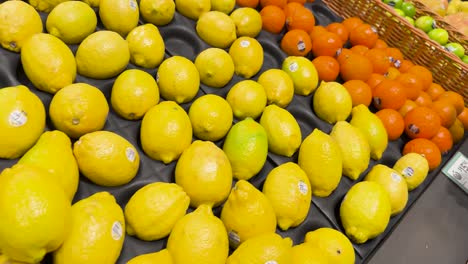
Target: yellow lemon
column 247, row 99
column 414, row 169
column 307, row 254
column 160, row 257
column 215, row 66
column 19, row 21
column 247, row 55
column 120, row 16
column 157, row 12
column 333, row 243
column 193, row 9
column 303, row 74
column 225, row 6
column 216, row 29
column 332, row 102
column 278, row 86
column 146, row 46
column 92, row 3
column 78, row 109
column 45, row 5
column 248, row 22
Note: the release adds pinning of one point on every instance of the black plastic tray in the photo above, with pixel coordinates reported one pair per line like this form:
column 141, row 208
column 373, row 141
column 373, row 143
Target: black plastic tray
column 181, row 38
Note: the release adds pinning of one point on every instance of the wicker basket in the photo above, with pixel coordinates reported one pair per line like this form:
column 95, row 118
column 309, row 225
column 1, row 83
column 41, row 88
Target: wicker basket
column 447, row 69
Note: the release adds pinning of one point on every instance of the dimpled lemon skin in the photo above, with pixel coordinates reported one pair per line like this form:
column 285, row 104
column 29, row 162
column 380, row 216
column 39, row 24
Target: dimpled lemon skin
column 120, row 16
column 159, row 202
column 333, row 243
column 71, row 21
column 365, row 211
column 78, row 109
column 18, row 22
column 288, row 189
column 247, row 55
column 160, row 257
column 209, row 179
column 134, row 92
column 211, row 117
column 35, row 213
column 199, row 238
column 146, row 46
column 157, row 12
column 215, row 66
column 22, row 120
column 307, row 254
column 45, row 5
column 247, row 99
column 414, row 169
column 278, row 86
column 102, row 55
column 48, row 63
column 106, row 158
column 96, row 234
column 165, row 132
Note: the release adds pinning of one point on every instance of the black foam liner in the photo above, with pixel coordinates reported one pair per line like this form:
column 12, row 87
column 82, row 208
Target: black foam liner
column 181, row 39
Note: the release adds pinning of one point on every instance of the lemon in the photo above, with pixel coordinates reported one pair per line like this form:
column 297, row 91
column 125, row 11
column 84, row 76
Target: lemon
column 307, row 254
column 120, row 16
column 78, row 109
column 283, row 131
column 193, row 9
column 160, row 257
column 365, row 211
column 207, row 181
column 246, row 146
column 372, row 128
column 53, row 152
column 215, row 66
column 92, row 3
column 71, row 21
column 106, row 158
column 355, row 150
column 332, row 102
column 45, row 5
column 35, row 213
column 146, row 46
column 134, row 92
column 278, row 86
column 248, row 22
column 268, row 248
column 22, row 120
column 19, row 22
column 247, row 55
column 393, row 183
column 158, row 202
column 247, row 213
column 165, row 132
column 414, row 169
column 225, row 6
column 303, row 74
column 178, row 79
column 102, row 55
column 96, row 234
column 247, row 98
column 157, row 12
column 48, row 63
column 184, row 242
column 289, row 192
column 211, row 117
column 333, row 243
column 320, row 158
column 5, row 260
column 216, row 29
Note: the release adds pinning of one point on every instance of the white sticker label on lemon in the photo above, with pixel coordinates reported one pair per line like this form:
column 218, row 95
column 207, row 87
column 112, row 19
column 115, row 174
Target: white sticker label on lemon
column 17, row 118
column 245, row 43
column 271, row 262
column 303, row 187
column 408, row 172
column 117, row 230
column 396, row 177
column 293, row 67
column 130, row 153
column 133, row 5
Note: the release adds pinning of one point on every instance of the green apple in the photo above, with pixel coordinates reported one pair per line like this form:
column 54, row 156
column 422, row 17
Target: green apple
column 465, row 59
column 400, row 12
column 394, row 3
column 410, row 20
column 408, row 8
column 440, row 35
column 456, row 49
column 425, row 23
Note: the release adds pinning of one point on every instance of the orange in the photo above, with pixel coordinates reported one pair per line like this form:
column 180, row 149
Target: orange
column 422, row 122
column 355, row 67
column 359, row 49
column 351, row 22
column 463, row 117
column 379, row 59
column 407, row 106
column 443, row 139
column 405, row 65
column 423, row 99
column 298, row 1
column 326, row 44
column 273, row 19
column 339, row 29
column 360, row 92
column 299, row 17
column 363, row 34
column 389, row 94
column 413, row 85
column 425, row 147
column 278, row 3
column 454, row 98
column 395, row 55
column 247, row 3
column 435, row 90
column 296, row 42
column 457, row 131
column 446, row 112
column 380, row 44
column 317, row 31
column 327, row 67
column 424, row 74
column 393, row 123
column 392, row 73
column 374, row 80
column 342, row 54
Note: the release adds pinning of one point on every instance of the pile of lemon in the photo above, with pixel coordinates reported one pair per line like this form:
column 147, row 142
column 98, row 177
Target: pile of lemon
column 36, row 193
